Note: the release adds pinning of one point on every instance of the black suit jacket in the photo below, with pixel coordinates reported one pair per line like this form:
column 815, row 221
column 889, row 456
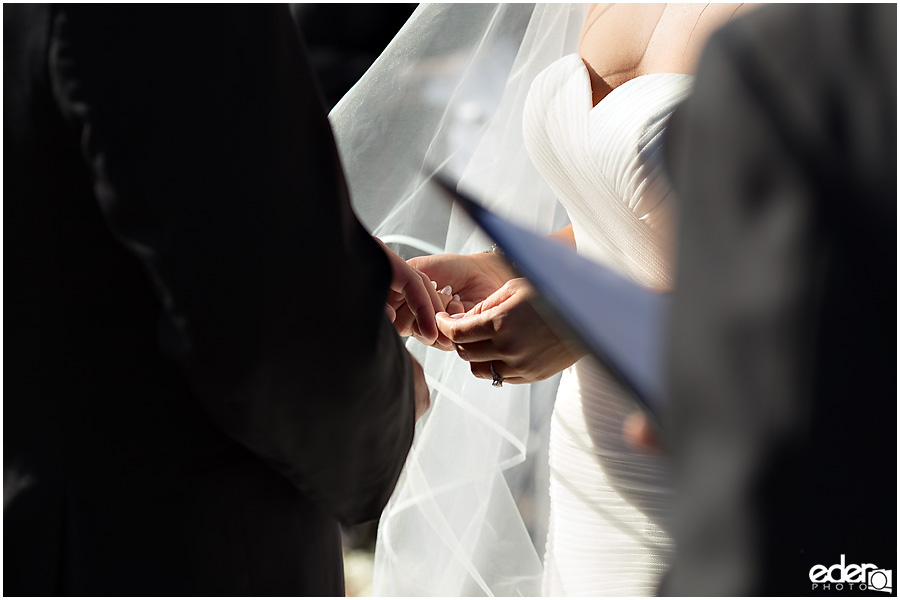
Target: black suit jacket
column 200, row 379
column 783, row 358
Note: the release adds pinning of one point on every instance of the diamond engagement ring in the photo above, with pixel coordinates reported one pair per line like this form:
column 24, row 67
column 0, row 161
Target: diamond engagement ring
column 498, row 381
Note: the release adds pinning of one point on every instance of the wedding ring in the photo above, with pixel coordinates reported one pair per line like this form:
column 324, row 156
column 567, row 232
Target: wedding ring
column 498, row 381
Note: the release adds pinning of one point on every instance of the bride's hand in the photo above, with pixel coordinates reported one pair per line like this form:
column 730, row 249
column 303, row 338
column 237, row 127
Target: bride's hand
column 418, row 295
column 472, row 278
column 506, row 330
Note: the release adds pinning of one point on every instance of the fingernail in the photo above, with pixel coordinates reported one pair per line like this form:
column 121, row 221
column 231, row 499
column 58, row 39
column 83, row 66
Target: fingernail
column 456, row 297
column 458, row 316
column 434, row 283
column 447, row 290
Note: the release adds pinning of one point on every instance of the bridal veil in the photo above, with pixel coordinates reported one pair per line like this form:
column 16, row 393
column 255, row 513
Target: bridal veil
column 469, row 514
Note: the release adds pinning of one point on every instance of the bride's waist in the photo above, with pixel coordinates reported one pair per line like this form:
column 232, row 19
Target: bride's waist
column 590, row 412
column 603, row 398
column 588, row 443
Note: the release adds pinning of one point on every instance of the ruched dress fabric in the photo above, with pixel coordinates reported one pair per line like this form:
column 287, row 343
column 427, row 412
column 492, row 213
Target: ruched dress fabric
column 609, row 503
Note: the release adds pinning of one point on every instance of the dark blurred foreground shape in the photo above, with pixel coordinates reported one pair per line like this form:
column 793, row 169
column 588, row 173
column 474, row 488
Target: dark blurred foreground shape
column 179, row 419
column 783, row 367
column 345, row 39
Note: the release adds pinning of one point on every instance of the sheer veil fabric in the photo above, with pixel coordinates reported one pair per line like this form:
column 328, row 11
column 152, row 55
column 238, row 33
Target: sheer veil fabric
column 469, row 515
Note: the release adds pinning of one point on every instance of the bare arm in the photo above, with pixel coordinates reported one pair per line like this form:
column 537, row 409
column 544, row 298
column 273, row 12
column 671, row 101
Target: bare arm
column 565, row 235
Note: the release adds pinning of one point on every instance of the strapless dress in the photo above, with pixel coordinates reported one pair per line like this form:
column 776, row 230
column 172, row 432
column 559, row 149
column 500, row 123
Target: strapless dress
column 609, row 503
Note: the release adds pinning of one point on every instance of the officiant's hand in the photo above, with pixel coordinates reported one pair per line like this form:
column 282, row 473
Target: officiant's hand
column 640, row 433
column 505, row 330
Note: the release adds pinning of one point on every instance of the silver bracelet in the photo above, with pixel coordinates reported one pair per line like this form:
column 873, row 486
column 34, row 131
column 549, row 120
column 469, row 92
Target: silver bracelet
column 495, row 249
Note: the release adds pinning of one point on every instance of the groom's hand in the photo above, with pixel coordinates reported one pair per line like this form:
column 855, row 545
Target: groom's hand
column 423, row 394
column 417, row 294
column 406, row 325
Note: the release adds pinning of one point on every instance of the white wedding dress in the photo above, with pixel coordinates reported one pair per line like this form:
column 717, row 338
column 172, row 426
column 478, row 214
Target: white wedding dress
column 608, row 502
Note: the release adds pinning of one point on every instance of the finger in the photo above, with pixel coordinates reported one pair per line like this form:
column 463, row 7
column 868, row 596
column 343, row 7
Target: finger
column 455, row 306
column 446, row 268
column 445, row 294
column 515, row 380
column 399, row 268
column 482, row 370
column 444, row 344
column 466, row 328
column 423, row 301
column 484, row 351
column 396, row 299
column 434, row 295
column 405, row 324
column 418, row 291
column 501, row 295
column 639, row 432
column 451, row 303
column 391, row 313
column 423, row 395
column 478, row 324
column 404, row 321
column 506, row 291
column 438, row 301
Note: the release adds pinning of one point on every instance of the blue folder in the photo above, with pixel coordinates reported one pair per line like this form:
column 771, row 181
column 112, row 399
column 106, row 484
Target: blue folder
column 616, row 320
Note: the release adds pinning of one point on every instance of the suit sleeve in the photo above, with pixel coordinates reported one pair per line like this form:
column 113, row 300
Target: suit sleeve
column 213, row 161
